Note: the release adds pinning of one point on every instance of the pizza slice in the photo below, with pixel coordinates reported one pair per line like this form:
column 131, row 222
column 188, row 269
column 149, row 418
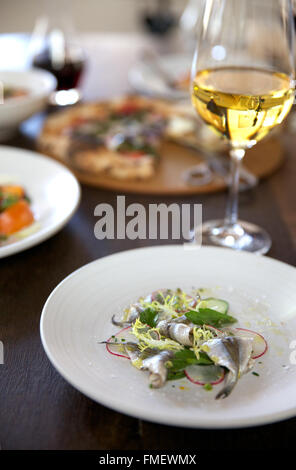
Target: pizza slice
column 119, row 138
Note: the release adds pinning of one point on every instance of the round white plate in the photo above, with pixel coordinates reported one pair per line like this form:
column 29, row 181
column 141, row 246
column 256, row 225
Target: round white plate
column 53, row 190
column 145, row 77
column 261, row 293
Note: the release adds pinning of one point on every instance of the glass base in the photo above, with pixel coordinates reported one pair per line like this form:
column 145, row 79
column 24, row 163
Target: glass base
column 241, row 236
column 65, row 97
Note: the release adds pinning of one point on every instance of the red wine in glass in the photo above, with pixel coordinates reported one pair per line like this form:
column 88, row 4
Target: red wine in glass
column 67, row 73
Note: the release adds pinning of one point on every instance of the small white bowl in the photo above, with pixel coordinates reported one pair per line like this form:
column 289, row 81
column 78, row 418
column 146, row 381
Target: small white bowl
column 39, row 83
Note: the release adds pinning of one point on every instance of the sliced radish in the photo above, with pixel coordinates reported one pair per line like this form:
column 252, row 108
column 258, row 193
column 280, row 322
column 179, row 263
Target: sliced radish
column 122, row 334
column 202, row 375
column 260, row 345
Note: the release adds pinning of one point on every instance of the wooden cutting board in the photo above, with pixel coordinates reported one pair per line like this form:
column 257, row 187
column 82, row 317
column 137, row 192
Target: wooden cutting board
column 262, row 160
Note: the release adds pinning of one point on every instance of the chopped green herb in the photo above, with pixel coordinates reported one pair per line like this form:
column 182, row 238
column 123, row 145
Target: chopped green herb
column 182, row 359
column 176, row 375
column 208, row 387
column 187, row 357
column 149, row 317
column 255, row 373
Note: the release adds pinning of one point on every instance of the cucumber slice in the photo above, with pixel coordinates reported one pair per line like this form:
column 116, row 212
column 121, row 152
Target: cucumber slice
column 214, row 304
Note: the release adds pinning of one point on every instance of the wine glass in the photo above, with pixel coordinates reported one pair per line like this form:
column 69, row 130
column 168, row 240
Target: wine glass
column 55, row 47
column 189, row 22
column 242, row 87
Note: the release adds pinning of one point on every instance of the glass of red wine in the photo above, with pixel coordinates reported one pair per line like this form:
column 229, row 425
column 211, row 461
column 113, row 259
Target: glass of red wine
column 54, row 47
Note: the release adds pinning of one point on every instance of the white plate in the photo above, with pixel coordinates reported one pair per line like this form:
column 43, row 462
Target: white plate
column 53, row 190
column 261, row 292
column 144, row 78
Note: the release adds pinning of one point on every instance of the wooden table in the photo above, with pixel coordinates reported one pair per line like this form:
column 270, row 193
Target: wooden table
column 38, row 409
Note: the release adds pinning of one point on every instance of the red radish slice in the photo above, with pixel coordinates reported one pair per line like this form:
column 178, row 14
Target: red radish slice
column 260, row 345
column 202, row 375
column 118, row 335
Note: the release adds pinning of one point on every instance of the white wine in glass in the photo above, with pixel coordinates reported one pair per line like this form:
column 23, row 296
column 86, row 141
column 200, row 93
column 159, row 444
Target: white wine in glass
column 242, row 91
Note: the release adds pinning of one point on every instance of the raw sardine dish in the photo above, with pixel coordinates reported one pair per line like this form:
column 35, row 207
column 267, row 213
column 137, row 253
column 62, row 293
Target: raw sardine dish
column 173, row 335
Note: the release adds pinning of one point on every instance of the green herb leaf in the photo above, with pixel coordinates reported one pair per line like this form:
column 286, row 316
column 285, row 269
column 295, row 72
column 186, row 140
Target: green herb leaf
column 187, row 357
column 175, row 375
column 207, row 316
column 208, row 387
column 182, row 359
column 149, row 317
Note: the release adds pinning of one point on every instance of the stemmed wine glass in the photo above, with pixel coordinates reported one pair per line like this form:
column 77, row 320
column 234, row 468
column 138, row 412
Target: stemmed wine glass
column 55, row 47
column 242, row 87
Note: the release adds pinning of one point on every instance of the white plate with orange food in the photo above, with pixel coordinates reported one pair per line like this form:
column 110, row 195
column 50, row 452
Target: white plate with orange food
column 37, row 198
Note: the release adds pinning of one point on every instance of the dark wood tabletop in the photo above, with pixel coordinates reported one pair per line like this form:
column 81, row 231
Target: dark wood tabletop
column 38, row 408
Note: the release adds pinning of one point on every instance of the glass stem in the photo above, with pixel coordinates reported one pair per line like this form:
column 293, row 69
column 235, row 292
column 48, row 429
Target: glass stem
column 236, row 156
